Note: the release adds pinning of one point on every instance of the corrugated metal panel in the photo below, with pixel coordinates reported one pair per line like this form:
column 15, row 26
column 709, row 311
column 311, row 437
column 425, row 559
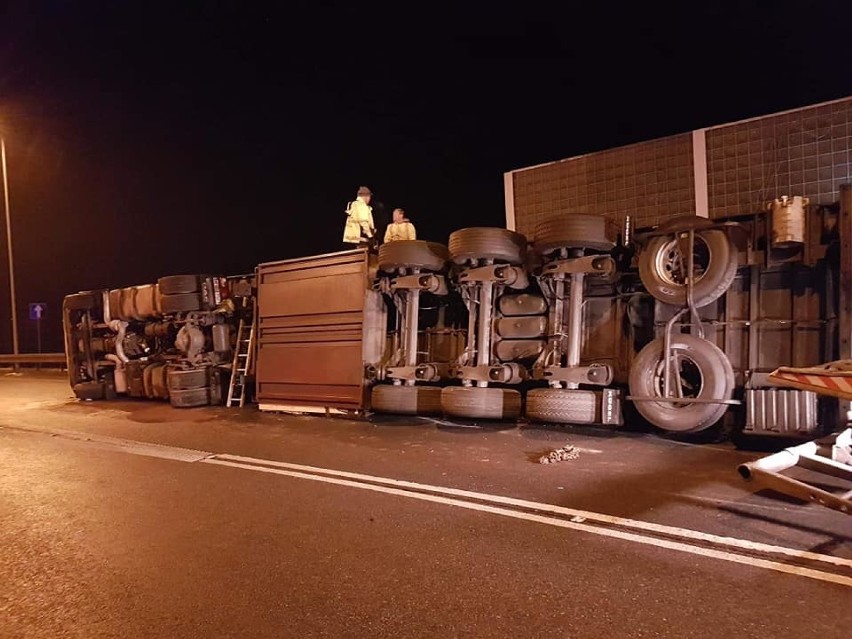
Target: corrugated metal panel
column 311, row 331
column 781, row 411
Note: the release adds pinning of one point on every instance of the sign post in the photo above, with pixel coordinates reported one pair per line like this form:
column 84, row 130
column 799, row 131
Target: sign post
column 37, row 310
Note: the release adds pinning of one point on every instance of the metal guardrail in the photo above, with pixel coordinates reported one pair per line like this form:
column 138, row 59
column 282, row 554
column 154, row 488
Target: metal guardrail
column 33, row 358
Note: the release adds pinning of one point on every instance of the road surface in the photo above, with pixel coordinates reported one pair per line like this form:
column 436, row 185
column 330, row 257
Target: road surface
column 133, row 519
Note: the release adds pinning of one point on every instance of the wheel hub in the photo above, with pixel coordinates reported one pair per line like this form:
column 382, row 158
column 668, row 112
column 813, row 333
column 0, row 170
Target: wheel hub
column 672, row 264
column 686, row 379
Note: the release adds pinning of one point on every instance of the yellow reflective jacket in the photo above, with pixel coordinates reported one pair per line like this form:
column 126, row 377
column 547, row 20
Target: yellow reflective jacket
column 400, row 231
column 359, row 222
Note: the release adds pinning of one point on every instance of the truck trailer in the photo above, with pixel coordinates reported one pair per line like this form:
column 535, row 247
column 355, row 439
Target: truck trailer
column 584, row 323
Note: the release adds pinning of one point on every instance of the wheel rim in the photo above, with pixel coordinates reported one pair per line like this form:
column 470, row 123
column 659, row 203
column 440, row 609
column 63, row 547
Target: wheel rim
column 671, row 264
column 688, row 377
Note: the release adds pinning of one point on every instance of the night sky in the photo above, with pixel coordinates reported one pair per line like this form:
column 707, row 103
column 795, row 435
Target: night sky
column 147, row 139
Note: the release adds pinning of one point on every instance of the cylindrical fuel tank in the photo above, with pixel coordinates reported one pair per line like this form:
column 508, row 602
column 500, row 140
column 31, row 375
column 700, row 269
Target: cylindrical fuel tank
column 221, row 338
column 788, row 221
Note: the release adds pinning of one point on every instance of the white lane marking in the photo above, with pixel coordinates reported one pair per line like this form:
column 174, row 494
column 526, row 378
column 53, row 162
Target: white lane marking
column 734, row 542
column 552, row 521
column 250, row 463
column 105, row 442
column 148, row 450
column 453, row 424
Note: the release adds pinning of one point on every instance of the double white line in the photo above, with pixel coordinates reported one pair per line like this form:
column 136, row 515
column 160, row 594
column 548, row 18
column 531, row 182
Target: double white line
column 739, row 551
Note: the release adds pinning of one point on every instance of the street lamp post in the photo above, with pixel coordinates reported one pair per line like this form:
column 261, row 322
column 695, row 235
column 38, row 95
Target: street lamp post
column 9, row 243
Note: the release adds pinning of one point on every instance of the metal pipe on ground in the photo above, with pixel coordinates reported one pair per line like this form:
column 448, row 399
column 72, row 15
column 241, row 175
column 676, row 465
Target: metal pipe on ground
column 766, row 472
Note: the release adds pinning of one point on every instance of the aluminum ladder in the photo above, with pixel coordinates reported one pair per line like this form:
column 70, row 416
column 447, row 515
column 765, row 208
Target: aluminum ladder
column 243, row 358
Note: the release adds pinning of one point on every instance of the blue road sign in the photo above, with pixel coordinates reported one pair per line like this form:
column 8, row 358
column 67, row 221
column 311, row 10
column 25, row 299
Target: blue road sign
column 37, row 310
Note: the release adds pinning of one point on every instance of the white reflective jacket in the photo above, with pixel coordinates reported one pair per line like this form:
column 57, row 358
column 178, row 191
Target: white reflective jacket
column 400, row 231
column 359, row 222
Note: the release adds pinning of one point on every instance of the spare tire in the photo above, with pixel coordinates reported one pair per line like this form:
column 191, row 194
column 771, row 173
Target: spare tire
column 180, row 303
column 430, row 256
column 704, row 373
column 662, row 268
column 177, row 284
column 572, row 231
column 487, row 243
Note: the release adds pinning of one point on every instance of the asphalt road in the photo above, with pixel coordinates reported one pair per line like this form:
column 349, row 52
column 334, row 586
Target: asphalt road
column 133, row 519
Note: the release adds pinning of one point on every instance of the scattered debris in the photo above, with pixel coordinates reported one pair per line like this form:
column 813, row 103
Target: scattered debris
column 566, row 453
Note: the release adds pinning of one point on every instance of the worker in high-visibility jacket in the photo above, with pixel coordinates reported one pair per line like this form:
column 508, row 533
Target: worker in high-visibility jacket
column 359, row 219
column 401, row 228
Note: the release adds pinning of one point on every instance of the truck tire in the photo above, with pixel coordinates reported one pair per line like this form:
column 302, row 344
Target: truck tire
column 179, row 379
column 704, row 372
column 177, row 284
column 483, row 243
column 406, row 400
column 181, row 303
column 429, row 256
column 190, row 397
column 572, row 231
column 81, row 302
column 664, row 278
column 562, row 406
column 481, row 403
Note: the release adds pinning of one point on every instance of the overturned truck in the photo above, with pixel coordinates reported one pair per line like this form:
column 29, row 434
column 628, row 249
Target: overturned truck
column 584, row 322
column 171, row 340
